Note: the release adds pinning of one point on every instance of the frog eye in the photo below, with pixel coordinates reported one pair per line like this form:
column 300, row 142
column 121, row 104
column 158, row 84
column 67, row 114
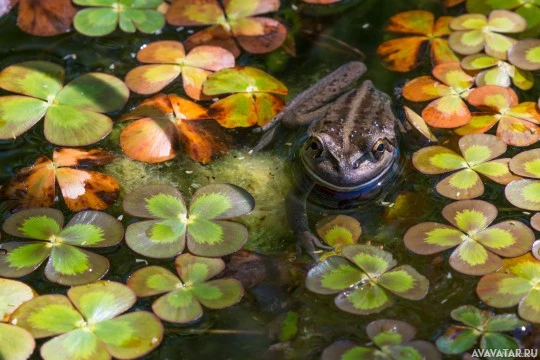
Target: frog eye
column 315, row 147
column 379, row 148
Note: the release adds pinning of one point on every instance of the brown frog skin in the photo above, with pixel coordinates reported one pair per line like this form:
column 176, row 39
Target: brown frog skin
column 351, row 145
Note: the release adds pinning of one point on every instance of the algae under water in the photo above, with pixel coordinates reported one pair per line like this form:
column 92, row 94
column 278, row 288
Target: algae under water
column 243, row 331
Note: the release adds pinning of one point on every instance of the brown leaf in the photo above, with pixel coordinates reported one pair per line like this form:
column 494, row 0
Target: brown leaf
column 77, row 157
column 203, row 140
column 213, row 36
column 45, row 17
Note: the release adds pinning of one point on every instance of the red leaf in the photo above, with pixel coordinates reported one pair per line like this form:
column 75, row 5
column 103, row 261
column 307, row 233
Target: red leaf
column 45, row 18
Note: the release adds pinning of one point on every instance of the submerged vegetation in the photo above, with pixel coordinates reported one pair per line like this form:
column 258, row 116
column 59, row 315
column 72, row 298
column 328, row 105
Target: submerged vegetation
column 474, row 100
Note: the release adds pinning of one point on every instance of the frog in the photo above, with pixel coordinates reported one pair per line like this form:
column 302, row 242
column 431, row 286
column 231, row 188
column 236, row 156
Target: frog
column 350, row 148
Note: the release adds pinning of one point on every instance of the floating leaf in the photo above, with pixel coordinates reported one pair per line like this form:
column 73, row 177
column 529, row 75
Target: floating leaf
column 419, row 124
column 497, row 72
column 34, row 186
column 45, row 18
column 535, row 221
column 524, row 194
column 237, row 20
column 168, row 60
column 478, row 154
column 205, row 226
column 474, row 32
column 338, row 231
column 526, row 164
column 12, row 295
column 368, row 272
column 88, row 316
column 481, row 324
column 102, row 17
column 164, row 123
column 479, row 247
column 526, row 54
column 67, row 264
column 405, row 54
column 255, row 101
column 450, row 85
column 21, row 343
column 514, row 285
column 71, row 119
column 185, row 293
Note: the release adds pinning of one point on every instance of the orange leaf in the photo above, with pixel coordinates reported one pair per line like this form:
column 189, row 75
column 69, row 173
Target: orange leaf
column 479, row 124
column 156, row 107
column 32, row 186
column 441, row 52
column 83, row 189
column 45, row 18
column 451, row 3
column 424, row 88
column 203, row 140
column 401, row 54
column 77, row 157
column 213, row 36
column 517, row 132
column 193, row 79
column 442, row 26
column 493, row 98
column 525, row 111
column 447, row 112
column 417, row 22
column 452, row 75
column 267, row 107
column 259, row 35
column 162, row 52
column 150, row 140
column 186, row 110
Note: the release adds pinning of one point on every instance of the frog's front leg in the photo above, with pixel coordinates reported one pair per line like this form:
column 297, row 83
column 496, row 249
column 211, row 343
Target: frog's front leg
column 298, row 219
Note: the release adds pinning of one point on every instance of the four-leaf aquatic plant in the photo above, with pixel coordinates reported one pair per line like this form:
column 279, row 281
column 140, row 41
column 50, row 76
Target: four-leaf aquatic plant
column 363, row 277
column 479, row 246
column 338, row 231
column 474, row 33
column 68, row 263
column 203, row 227
column 518, row 123
column 526, row 54
column 525, row 193
column 255, row 101
column 393, row 340
column 447, row 88
column 233, row 25
column 164, row 123
column 497, row 72
column 405, row 54
column 87, row 323
column 478, row 154
column 516, row 283
column 187, row 291
column 168, row 59
column 35, row 186
column 103, row 16
column 481, row 324
column 21, row 343
column 73, row 113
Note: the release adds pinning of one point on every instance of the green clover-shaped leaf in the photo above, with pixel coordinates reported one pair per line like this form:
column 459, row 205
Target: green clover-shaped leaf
column 73, row 113
column 187, row 291
column 68, row 263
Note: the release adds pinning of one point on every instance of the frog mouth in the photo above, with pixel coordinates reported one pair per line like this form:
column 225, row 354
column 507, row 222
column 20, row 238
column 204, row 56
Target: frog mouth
column 367, row 186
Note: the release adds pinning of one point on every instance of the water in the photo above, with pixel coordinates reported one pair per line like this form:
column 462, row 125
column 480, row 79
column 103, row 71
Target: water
column 242, row 332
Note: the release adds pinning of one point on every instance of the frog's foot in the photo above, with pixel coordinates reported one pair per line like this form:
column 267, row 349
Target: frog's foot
column 267, row 138
column 306, row 241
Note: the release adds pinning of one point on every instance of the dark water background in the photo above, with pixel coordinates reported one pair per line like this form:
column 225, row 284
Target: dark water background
column 244, row 328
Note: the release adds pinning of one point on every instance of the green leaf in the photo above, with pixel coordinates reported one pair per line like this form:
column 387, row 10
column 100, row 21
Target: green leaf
column 47, row 315
column 504, row 322
column 502, row 290
column 166, row 206
column 527, row 164
column 405, row 282
column 457, row 340
column 146, row 21
column 221, row 201
column 136, row 202
column 465, row 184
column 22, row 258
column 92, row 229
column 139, row 238
column 333, row 275
column 77, row 345
column 364, row 300
column 95, row 22
column 529, row 307
column 470, row 216
column 431, row 237
column 371, row 260
column 243, row 79
column 289, row 326
column 437, row 160
column 71, row 126
column 82, row 235
column 387, row 338
column 131, row 335
column 470, row 316
column 479, row 148
column 167, row 231
column 498, row 341
column 178, row 306
column 472, row 258
column 21, row 343
column 215, row 238
column 39, row 79
column 102, row 300
column 339, row 230
column 152, row 280
column 95, row 92
column 35, row 223
column 405, row 353
column 71, row 266
column 376, row 327
column 524, row 194
column 194, row 269
column 12, row 295
column 508, row 238
column 218, row 294
column 18, row 114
